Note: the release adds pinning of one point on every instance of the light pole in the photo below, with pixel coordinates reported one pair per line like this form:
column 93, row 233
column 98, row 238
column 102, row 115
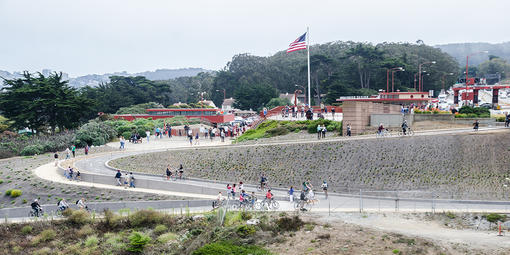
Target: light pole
column 397, row 69
column 418, row 78
column 422, row 81
column 467, row 71
column 419, row 71
column 224, row 93
column 303, row 90
column 388, row 77
column 295, row 95
column 443, row 77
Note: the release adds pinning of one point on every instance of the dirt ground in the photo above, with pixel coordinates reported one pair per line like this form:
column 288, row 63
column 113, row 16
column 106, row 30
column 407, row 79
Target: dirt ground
column 339, row 235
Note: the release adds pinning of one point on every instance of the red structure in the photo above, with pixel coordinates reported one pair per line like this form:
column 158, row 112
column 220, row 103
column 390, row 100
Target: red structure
column 473, row 95
column 392, row 98
column 211, row 115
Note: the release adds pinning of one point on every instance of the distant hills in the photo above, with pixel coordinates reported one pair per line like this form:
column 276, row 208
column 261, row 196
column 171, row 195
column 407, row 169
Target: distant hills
column 96, row 79
column 460, row 50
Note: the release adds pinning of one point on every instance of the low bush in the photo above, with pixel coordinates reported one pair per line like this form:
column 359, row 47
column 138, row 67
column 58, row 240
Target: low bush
column 284, row 224
column 144, row 218
column 32, row 150
column 84, row 231
column 244, row 231
column 494, row 217
column 277, row 131
column 91, row 242
column 8, row 192
column 138, row 241
column 79, row 217
column 501, row 119
column 225, row 247
column 94, row 133
column 45, row 236
column 160, row 229
column 26, row 230
column 167, row 237
column 16, row 193
column 1, row 181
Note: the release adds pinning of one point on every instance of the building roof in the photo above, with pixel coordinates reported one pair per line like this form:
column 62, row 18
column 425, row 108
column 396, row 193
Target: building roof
column 228, row 102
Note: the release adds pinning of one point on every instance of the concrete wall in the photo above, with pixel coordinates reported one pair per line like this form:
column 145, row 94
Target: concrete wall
column 433, row 117
column 388, row 120
column 358, row 115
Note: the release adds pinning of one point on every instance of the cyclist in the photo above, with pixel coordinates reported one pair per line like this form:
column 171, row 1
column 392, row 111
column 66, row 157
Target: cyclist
column 263, row 181
column 302, row 200
column 36, row 207
column 219, row 200
column 81, row 204
column 380, row 129
column 404, row 127
column 62, row 205
column 324, row 187
column 269, row 195
column 253, row 198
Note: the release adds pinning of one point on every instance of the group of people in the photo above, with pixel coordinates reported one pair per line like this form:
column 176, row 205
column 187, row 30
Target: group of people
column 70, row 174
column 62, row 205
column 321, row 131
column 126, row 180
column 178, row 173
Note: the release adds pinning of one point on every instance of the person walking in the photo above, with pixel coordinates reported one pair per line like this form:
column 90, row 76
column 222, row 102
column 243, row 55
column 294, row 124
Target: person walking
column 71, row 173
column 333, row 112
column 56, row 158
column 319, row 131
column 323, row 131
column 122, row 143
column 229, row 191
column 68, row 153
column 86, row 149
column 77, row 176
column 118, row 175
column 476, row 125
column 168, row 172
column 131, row 180
column 291, row 194
column 349, row 129
column 126, row 180
column 190, row 137
column 148, row 135
column 197, row 137
column 222, row 135
column 169, row 131
column 324, row 187
column 265, row 112
column 73, row 150
column 233, row 190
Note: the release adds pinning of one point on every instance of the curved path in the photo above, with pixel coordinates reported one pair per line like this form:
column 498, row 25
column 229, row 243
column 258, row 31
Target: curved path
column 96, row 166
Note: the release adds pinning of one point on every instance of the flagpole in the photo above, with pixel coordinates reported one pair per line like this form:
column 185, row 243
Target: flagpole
column 308, row 54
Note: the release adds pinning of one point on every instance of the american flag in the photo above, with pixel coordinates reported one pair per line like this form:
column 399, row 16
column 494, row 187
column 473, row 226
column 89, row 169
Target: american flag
column 298, row 44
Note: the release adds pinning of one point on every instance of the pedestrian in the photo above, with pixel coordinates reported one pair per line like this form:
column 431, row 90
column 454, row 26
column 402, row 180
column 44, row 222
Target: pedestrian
column 229, row 191
column 168, row 172
column 476, row 125
column 302, row 200
column 86, row 149
column 148, row 135
column 319, row 131
column 265, row 112
column 322, row 107
column 131, row 180
column 68, row 153
column 78, row 175
column 197, row 137
column 73, row 150
column 190, row 137
column 169, row 131
column 66, row 172
column 324, row 187
column 291, row 194
column 126, row 180
column 156, row 133
column 56, row 158
column 118, row 175
column 241, row 186
column 122, row 142
column 323, row 131
column 333, row 112
column 233, row 190
column 222, row 135
column 349, row 129
column 71, row 172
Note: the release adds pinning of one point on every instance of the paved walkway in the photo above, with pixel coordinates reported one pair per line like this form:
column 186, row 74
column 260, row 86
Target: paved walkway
column 336, row 203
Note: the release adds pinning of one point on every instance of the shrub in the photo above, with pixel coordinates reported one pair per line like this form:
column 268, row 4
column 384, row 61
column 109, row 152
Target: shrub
column 245, row 215
column 8, row 192
column 277, row 131
column 245, row 231
column 284, row 224
column 26, row 230
column 1, row 181
column 91, row 241
column 85, row 231
column 32, row 150
column 79, row 217
column 138, row 241
column 16, row 193
column 160, row 229
column 43, row 251
column 94, row 133
column 46, row 235
column 225, row 247
column 145, row 218
column 167, row 237
column 500, row 119
column 494, row 217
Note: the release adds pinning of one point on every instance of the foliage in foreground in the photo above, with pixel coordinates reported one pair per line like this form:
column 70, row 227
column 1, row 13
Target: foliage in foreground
column 225, row 247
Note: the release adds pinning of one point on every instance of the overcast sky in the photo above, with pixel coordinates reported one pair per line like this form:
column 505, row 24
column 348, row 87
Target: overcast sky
column 99, row 36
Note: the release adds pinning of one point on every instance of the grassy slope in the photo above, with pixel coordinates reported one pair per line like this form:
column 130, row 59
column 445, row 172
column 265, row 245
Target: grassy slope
column 458, row 166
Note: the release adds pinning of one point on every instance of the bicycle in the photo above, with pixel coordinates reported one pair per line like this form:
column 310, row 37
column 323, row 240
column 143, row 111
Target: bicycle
column 383, row 133
column 267, row 205
column 409, row 132
column 35, row 213
column 307, row 204
column 266, row 187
